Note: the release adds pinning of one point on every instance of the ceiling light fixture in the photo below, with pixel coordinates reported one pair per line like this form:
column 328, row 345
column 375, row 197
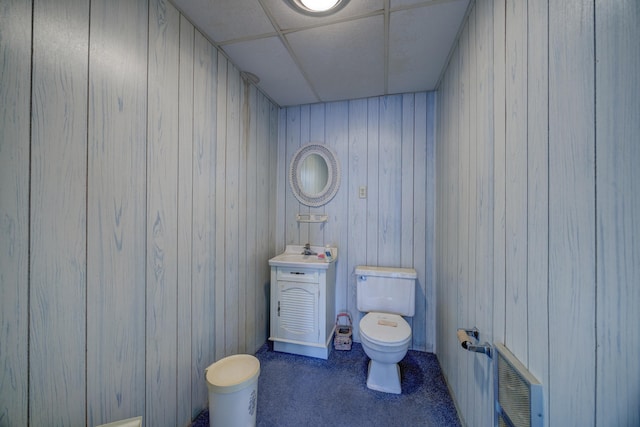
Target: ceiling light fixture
column 317, row 7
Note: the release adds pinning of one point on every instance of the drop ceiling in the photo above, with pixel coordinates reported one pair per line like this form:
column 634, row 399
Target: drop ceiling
column 368, row 48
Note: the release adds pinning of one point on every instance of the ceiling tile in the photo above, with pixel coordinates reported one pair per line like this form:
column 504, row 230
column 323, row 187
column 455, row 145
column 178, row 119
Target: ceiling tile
column 394, row 4
column 421, row 39
column 345, row 60
column 224, row 20
column 286, row 18
column 279, row 76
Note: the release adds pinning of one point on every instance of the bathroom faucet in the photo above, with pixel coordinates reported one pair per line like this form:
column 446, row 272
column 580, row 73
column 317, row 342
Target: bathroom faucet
column 307, row 250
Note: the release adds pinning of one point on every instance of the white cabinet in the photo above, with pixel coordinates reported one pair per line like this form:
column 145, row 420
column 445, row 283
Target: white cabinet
column 303, row 309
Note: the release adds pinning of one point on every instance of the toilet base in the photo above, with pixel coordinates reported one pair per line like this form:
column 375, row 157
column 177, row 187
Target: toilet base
column 384, row 377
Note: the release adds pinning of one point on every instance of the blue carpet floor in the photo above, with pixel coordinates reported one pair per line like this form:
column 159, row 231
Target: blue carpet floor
column 303, row 391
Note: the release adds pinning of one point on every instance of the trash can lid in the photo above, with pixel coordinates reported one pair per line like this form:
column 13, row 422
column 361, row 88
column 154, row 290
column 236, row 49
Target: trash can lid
column 232, row 373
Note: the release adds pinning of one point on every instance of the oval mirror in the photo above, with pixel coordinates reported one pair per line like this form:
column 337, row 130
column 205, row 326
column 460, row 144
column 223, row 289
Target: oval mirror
column 314, row 174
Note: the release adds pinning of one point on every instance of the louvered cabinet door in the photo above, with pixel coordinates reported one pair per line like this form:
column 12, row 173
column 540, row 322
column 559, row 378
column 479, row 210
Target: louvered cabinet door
column 297, row 311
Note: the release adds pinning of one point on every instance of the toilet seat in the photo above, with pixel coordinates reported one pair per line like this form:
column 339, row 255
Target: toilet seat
column 385, row 329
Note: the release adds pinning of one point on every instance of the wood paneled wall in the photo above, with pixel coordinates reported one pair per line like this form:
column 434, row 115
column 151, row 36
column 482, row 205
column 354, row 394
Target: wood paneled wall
column 15, row 82
column 137, row 172
column 537, row 205
column 385, row 144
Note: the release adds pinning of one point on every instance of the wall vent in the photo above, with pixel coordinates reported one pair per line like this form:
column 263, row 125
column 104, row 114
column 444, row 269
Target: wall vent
column 518, row 394
column 130, row 422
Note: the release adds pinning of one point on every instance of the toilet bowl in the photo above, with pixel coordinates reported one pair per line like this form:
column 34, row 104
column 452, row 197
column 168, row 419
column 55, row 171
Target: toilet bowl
column 385, row 294
column 385, row 339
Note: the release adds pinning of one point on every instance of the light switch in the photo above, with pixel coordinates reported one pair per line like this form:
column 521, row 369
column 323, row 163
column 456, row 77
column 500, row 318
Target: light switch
column 362, row 192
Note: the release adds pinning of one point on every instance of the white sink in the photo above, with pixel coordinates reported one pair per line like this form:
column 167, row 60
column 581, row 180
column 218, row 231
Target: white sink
column 293, row 257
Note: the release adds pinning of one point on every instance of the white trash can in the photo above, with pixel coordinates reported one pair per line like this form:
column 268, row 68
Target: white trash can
column 233, row 391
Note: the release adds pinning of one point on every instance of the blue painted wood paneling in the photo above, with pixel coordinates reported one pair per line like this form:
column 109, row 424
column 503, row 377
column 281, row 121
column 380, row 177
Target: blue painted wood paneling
column 554, row 171
column 185, row 219
column 337, row 138
column 116, row 211
column 205, row 228
column 229, row 190
column 373, row 138
column 110, row 174
column 572, row 192
column 162, row 213
column 57, row 332
column 356, row 253
column 15, row 91
column 516, row 183
column 617, row 211
column 483, row 316
column 461, row 203
column 220, row 207
column 538, row 194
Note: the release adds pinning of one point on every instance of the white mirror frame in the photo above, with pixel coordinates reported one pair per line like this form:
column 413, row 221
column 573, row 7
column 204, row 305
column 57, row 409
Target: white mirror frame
column 333, row 179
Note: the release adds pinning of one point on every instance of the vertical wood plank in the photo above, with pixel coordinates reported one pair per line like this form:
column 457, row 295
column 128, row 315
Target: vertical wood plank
column 439, row 220
column 442, row 148
column 461, row 204
column 58, row 214
column 317, row 133
column 442, row 151
column 356, row 168
column 336, row 229
column 373, row 184
column 292, row 206
column 277, row 179
column 205, row 307
column 304, row 229
column 430, row 222
column 162, row 211
column 571, row 212
column 275, row 176
column 499, row 167
column 242, row 216
column 281, row 184
column 472, row 283
column 15, row 91
column 516, row 179
column 252, row 212
column 420, row 217
column 483, row 368
column 453, row 213
column 390, row 179
column 185, row 217
column 618, row 209
column 407, row 141
column 442, row 223
column 231, row 186
column 538, row 194
column 220, row 150
column 116, row 210
column 264, row 196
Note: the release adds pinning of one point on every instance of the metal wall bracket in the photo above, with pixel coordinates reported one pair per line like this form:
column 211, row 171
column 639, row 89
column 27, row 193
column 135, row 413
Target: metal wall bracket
column 465, row 337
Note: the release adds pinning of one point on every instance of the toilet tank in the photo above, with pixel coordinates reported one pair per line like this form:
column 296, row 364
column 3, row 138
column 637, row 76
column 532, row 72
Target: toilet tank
column 386, row 289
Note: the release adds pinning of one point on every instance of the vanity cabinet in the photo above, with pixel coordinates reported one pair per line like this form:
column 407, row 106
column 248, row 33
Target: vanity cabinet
column 303, row 309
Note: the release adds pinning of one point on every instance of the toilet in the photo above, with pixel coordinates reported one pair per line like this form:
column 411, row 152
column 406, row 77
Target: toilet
column 385, row 294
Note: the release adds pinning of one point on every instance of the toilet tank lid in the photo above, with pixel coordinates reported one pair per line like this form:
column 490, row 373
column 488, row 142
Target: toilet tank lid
column 401, row 273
